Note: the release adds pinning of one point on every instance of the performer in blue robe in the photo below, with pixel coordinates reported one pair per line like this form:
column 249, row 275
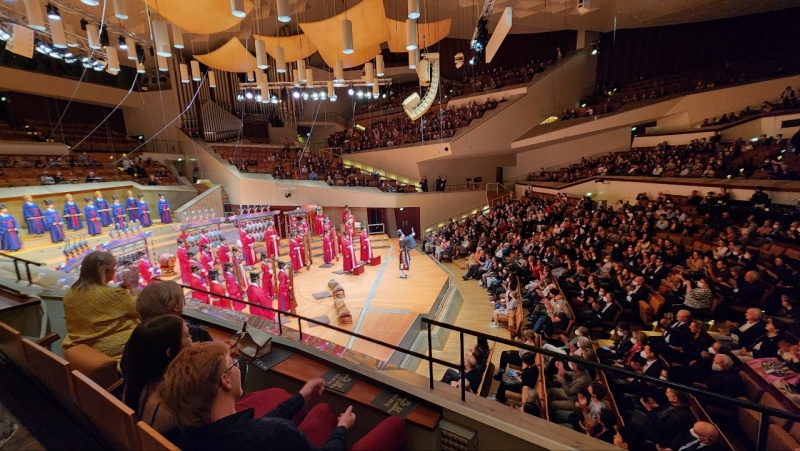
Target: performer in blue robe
column 144, row 212
column 92, row 218
column 132, row 207
column 103, row 210
column 72, row 214
column 9, row 231
column 54, row 222
column 33, row 216
column 118, row 213
column 164, row 209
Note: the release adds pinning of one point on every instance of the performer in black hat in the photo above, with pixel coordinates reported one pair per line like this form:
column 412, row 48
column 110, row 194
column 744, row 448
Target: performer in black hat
column 407, row 242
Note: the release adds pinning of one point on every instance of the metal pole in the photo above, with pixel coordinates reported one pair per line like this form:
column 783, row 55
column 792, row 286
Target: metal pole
column 430, row 355
column 463, row 382
column 28, row 270
column 763, row 429
column 300, row 328
column 280, row 325
column 16, row 268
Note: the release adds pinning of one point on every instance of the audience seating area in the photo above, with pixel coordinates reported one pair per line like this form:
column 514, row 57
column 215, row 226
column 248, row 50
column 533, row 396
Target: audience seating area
column 284, row 164
column 564, row 248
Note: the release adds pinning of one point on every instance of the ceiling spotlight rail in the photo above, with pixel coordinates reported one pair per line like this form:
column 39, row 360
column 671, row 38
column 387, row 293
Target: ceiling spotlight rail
column 65, row 6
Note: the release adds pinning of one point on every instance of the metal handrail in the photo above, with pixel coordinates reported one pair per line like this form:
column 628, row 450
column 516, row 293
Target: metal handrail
column 764, row 410
column 326, row 325
column 28, row 264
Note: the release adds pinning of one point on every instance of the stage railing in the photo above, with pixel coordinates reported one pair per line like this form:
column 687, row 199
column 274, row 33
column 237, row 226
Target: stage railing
column 704, row 395
column 28, row 264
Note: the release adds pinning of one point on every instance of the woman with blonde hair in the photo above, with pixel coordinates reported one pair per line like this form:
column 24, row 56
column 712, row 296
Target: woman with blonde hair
column 96, row 314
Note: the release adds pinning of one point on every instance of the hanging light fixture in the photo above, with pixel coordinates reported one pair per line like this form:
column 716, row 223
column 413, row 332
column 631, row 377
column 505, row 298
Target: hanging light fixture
column 69, row 58
column 380, row 70
column 33, row 11
column 376, row 88
column 284, row 13
column 261, row 55
column 295, row 78
column 369, row 73
column 411, row 34
column 347, row 37
column 120, row 10
column 70, row 33
column 140, row 68
column 130, row 45
column 91, row 2
column 197, row 75
column 52, row 12
column 123, row 45
column 309, row 76
column 237, row 8
column 301, row 71
column 184, row 69
column 177, row 37
column 113, row 60
column 251, row 76
column 161, row 35
column 413, row 9
column 280, row 60
column 338, row 72
column 163, row 65
column 92, row 35
column 413, row 59
column 57, row 33
column 329, row 86
column 212, row 79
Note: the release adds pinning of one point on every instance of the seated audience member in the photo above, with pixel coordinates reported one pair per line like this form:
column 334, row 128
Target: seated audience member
column 604, row 428
column 660, row 422
column 753, row 327
column 620, row 346
column 472, row 374
column 563, row 392
column 676, row 334
column 101, row 316
column 589, row 404
column 518, row 382
column 166, row 298
column 152, row 346
column 201, row 387
column 724, row 378
column 702, row 435
column 767, row 345
column 514, row 357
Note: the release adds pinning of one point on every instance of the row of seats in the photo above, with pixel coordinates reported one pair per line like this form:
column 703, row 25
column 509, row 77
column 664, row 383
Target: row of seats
column 81, row 395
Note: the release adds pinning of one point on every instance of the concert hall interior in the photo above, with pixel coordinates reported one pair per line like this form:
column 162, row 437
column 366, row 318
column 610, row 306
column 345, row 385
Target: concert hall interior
column 400, row 225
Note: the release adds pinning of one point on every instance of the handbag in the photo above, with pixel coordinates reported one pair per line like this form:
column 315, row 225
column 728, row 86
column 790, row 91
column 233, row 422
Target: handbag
column 252, row 342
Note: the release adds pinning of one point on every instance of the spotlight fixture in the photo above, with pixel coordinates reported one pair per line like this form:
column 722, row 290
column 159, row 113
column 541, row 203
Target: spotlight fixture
column 43, row 48
column 52, row 12
column 56, row 54
column 595, row 47
column 274, row 100
column 333, row 98
column 248, row 95
column 283, row 10
column 99, row 66
column 360, row 94
column 351, row 91
column 305, row 96
column 296, row 94
column 69, row 58
column 237, row 8
column 122, row 44
column 240, row 97
column 322, row 95
column 258, row 97
column 314, row 95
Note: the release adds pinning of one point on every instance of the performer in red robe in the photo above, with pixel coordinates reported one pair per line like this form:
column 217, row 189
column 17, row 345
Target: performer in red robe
column 366, row 246
column 232, row 285
column 197, row 283
column 145, row 270
column 223, row 252
column 204, row 239
column 319, row 221
column 272, row 240
column 345, row 214
column 218, row 289
column 183, row 261
column 267, row 278
column 327, row 247
column 247, row 249
column 256, row 295
column 348, row 254
column 284, row 292
column 205, row 257
column 296, row 253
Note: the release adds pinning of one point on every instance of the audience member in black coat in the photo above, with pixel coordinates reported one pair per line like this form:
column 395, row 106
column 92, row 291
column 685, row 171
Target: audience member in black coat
column 723, row 380
column 702, row 436
column 750, row 330
column 637, row 293
column 621, row 345
column 676, row 335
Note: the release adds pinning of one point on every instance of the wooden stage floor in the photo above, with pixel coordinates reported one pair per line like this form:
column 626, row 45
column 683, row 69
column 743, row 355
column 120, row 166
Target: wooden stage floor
column 383, row 305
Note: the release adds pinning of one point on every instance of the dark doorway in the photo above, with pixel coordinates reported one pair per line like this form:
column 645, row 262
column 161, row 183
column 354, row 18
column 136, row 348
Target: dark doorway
column 376, row 218
column 499, row 175
column 407, row 218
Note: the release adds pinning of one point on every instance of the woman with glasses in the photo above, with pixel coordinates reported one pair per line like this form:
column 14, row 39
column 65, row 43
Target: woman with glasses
column 97, row 314
column 152, row 346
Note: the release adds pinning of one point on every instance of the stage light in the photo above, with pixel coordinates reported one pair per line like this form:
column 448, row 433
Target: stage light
column 296, row 94
column 411, row 34
column 351, row 91
column 472, row 61
column 347, row 37
column 56, row 54
column 314, row 95
column 69, row 58
column 43, row 48
column 583, row 105
column 237, row 8
column 594, row 52
column 258, row 97
column 305, row 95
column 333, row 98
column 122, row 44
column 52, row 12
column 240, row 97
column 120, row 10
column 322, row 95
column 413, row 9
column 177, row 37
column 274, row 100
column 280, row 60
column 33, row 11
column 248, row 95
column 161, row 35
column 283, row 11
column 99, row 66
